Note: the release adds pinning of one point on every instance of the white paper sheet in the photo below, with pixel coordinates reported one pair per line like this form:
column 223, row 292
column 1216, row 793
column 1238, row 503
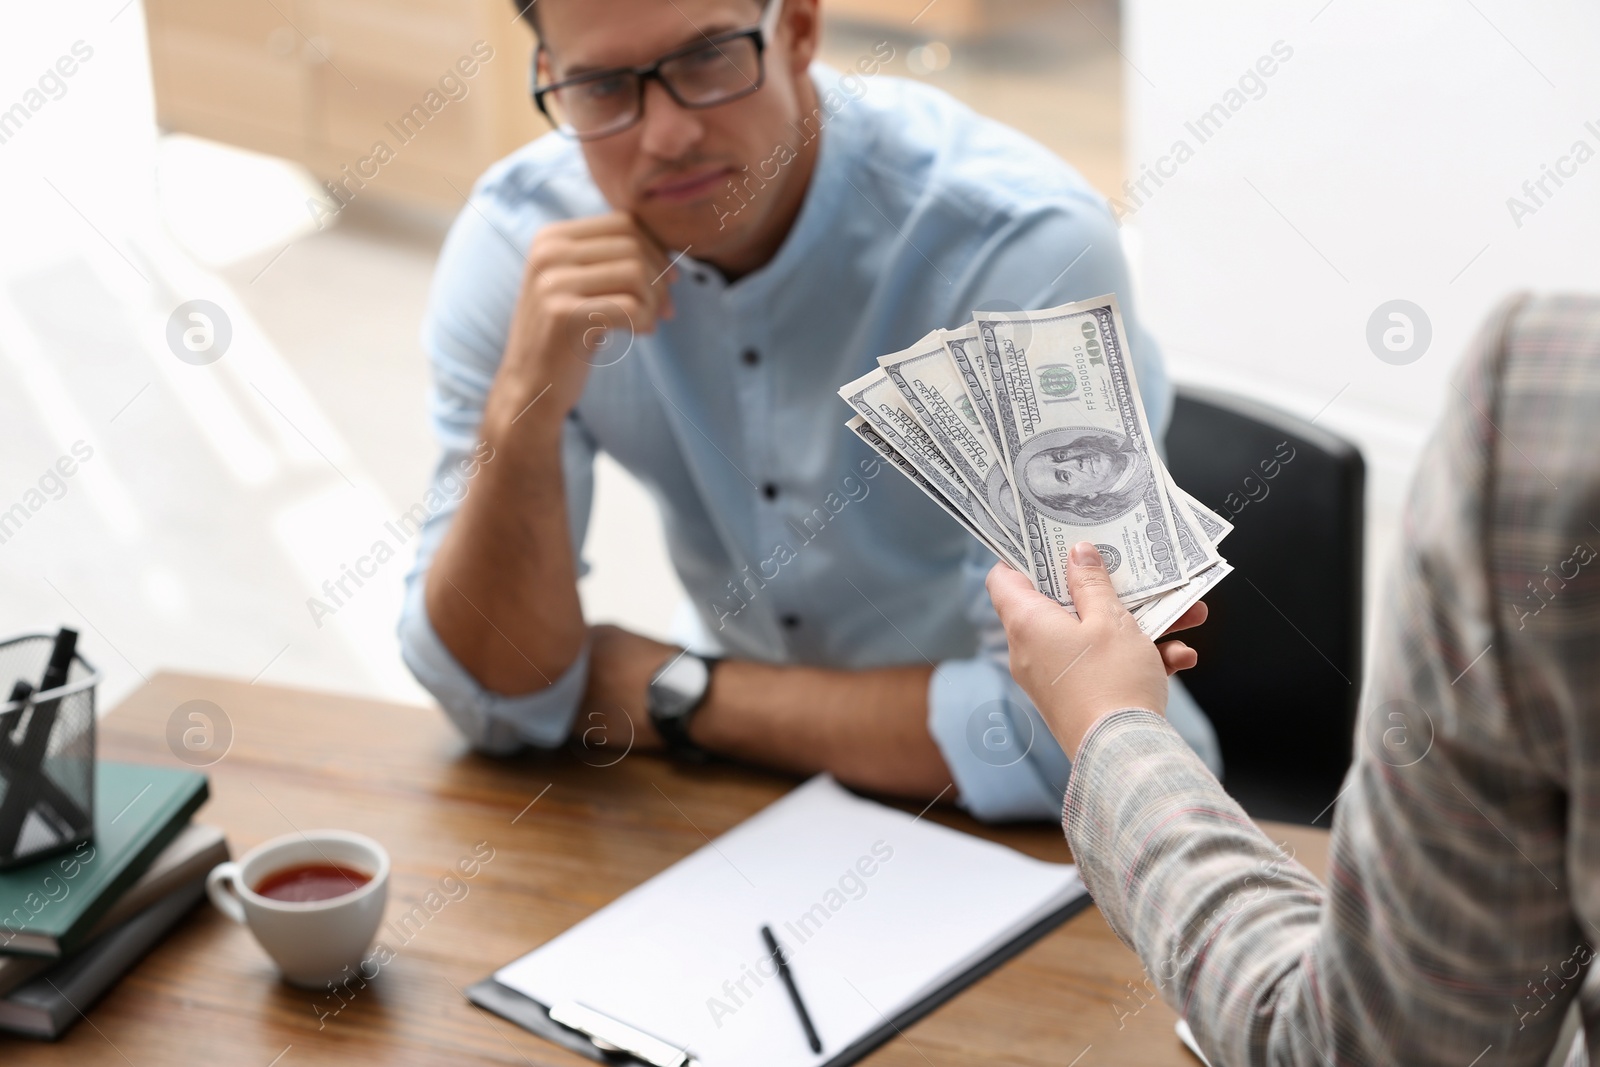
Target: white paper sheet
column 873, row 907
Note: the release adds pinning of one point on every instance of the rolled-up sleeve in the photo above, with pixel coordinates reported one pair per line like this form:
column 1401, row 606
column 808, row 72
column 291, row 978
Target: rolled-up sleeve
column 474, row 292
column 490, row 722
column 1002, row 758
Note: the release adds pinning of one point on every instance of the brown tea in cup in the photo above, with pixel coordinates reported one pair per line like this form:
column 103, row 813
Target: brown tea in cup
column 309, row 882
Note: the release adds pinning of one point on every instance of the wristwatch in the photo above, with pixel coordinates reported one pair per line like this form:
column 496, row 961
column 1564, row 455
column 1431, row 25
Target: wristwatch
column 676, row 692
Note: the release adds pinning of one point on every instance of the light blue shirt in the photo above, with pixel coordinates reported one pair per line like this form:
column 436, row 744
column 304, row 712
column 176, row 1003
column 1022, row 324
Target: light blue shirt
column 794, row 543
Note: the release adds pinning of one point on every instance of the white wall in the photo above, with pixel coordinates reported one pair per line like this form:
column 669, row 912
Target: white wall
column 1376, row 164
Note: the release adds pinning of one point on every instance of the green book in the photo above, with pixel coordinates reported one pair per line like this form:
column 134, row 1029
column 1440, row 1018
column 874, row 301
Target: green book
column 48, row 908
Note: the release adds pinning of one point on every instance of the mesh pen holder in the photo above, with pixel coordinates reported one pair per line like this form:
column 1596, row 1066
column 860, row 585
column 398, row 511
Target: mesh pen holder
column 46, row 755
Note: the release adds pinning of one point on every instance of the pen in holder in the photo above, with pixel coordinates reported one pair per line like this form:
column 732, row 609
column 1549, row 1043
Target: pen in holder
column 46, row 747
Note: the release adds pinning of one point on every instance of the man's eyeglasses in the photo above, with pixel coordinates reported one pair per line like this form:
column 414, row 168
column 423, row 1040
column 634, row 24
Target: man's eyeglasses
column 712, row 71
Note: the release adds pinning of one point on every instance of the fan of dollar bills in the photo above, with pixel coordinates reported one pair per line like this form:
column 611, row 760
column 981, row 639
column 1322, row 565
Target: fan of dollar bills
column 1027, row 427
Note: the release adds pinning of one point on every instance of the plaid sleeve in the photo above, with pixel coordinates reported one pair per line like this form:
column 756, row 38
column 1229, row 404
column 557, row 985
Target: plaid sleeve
column 1450, row 925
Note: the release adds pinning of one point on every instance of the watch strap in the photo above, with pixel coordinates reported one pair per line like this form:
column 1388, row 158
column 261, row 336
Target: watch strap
column 674, row 729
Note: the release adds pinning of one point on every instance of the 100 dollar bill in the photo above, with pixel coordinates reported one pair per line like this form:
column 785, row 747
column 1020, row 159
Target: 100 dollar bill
column 931, row 386
column 880, row 404
column 863, row 429
column 1079, row 451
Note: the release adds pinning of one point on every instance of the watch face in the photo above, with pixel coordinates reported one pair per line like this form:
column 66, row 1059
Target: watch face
column 679, row 685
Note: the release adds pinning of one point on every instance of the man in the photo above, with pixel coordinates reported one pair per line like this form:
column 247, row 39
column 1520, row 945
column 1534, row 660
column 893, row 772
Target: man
column 1463, row 902
column 720, row 235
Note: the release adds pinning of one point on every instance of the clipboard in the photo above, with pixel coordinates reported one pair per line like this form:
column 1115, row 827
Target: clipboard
column 626, row 983
column 535, row 1017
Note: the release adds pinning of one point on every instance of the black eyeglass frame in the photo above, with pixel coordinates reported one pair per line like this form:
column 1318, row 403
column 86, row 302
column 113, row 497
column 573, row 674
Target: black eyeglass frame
column 760, row 34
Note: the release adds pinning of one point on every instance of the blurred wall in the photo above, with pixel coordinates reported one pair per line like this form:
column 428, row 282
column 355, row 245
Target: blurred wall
column 1383, row 158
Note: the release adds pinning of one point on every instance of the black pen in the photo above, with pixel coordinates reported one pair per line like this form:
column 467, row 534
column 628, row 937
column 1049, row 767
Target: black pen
column 788, row 983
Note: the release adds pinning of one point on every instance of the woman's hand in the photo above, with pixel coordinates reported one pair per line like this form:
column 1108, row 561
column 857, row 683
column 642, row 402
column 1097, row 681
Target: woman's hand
column 1080, row 669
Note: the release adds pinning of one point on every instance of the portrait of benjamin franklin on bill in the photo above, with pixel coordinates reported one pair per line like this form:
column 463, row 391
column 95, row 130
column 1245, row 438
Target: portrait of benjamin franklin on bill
column 1080, row 475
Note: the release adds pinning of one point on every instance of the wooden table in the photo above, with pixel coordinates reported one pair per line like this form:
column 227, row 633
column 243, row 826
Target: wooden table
column 567, row 838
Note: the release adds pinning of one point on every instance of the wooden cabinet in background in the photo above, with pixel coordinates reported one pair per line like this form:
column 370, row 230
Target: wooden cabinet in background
column 324, row 82
column 963, row 20
column 938, row 18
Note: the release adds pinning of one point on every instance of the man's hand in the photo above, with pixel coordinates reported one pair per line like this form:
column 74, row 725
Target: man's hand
column 584, row 278
column 614, row 717
column 1080, row 669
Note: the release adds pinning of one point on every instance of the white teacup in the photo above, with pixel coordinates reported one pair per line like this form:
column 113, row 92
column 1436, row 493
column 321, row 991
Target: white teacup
column 312, row 942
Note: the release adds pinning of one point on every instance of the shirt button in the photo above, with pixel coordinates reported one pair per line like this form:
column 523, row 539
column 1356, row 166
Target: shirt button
column 769, row 491
column 751, row 357
column 701, row 276
column 791, row 622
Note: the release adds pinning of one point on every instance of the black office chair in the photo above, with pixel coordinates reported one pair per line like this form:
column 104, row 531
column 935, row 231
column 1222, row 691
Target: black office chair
column 1280, row 657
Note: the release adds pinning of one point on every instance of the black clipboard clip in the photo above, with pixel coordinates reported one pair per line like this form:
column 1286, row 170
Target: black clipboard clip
column 579, row 1028
column 614, row 1035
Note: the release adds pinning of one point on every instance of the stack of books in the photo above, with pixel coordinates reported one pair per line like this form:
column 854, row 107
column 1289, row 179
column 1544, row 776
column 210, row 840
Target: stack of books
column 72, row 924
